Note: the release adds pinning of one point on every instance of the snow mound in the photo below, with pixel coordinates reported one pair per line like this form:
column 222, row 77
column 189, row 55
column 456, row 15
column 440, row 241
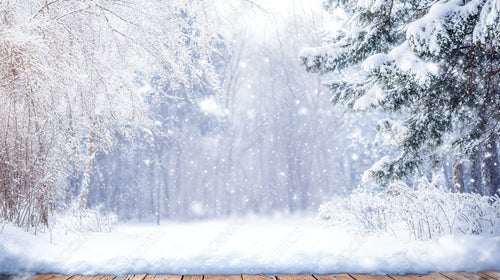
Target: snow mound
column 252, row 244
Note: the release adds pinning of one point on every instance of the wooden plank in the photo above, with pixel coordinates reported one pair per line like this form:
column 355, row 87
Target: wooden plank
column 494, row 274
column 475, row 276
column 163, row 277
column 130, row 277
column 338, row 276
column 60, row 277
column 192, row 277
column 77, row 277
column 222, row 277
column 257, row 277
column 102, row 277
column 295, row 277
column 43, row 276
column 168, row 277
column 430, row 276
column 486, row 275
column 455, row 276
column 489, row 275
column 399, row 277
column 369, row 277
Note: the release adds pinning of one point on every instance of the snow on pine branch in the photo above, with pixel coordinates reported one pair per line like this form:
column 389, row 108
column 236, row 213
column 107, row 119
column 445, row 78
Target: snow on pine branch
column 443, row 28
column 488, row 26
column 403, row 59
column 320, row 59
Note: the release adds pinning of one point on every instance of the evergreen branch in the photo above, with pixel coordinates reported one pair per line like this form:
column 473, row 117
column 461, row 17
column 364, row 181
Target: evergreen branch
column 484, row 78
column 388, row 16
column 467, row 91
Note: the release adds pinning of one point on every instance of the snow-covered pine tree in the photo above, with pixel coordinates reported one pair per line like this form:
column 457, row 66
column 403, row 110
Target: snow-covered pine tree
column 434, row 62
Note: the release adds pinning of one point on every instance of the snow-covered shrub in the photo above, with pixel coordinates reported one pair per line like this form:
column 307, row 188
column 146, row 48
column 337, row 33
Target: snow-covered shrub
column 429, row 211
column 364, row 211
column 426, row 211
column 76, row 219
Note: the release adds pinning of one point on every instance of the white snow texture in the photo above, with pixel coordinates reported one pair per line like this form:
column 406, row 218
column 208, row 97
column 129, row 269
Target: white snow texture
column 254, row 244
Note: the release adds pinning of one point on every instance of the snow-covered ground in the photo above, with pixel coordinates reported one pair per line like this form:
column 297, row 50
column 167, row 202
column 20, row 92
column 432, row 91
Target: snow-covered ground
column 251, row 244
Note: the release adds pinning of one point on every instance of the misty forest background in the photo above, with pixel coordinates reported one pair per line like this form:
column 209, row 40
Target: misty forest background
column 203, row 109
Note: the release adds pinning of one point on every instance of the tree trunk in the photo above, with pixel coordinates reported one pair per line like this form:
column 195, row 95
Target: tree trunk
column 475, row 173
column 489, row 167
column 458, row 178
column 446, row 174
column 85, row 186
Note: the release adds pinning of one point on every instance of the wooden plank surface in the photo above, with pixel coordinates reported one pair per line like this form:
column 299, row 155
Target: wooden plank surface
column 369, row 277
column 476, row 276
column 430, row 276
column 486, row 275
column 192, row 277
column 222, row 277
column 257, row 277
column 167, row 277
column 295, row 277
column 77, row 277
column 339, row 276
column 103, row 277
column 44, row 276
column 494, row 274
column 129, row 277
column 163, row 277
column 455, row 276
column 66, row 277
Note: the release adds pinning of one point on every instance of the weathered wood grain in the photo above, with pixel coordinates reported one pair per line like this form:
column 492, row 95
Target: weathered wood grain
column 44, row 276
column 476, row 276
column 192, row 277
column 163, row 277
column 129, row 277
column 257, row 277
column 485, row 275
column 491, row 274
column 295, row 277
column 455, row 276
column 369, row 277
column 338, row 276
column 430, row 276
column 494, row 274
column 222, row 277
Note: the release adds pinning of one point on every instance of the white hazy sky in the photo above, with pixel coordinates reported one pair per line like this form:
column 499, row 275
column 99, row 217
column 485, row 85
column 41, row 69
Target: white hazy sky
column 263, row 23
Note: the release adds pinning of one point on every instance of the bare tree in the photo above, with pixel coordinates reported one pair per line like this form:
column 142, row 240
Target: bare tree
column 70, row 71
